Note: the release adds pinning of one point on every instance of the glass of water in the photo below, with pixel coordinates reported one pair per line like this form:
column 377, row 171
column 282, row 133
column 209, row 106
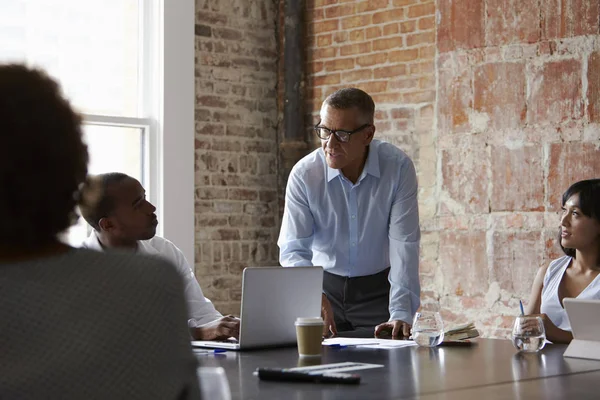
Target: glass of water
column 528, row 334
column 428, row 328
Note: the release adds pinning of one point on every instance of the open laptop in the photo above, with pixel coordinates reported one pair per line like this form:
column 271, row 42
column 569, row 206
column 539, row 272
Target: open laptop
column 272, row 299
column 584, row 316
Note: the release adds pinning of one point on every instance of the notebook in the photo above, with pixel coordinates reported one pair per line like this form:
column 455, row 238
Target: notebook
column 272, row 299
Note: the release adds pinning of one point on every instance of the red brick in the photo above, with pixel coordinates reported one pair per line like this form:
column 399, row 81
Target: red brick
column 427, row 23
column 324, row 40
column 427, row 82
column 403, row 55
column 388, row 72
column 211, row 101
column 463, row 256
column 517, row 257
column 315, row 14
column 593, row 92
column 339, row 64
column 427, row 52
column 408, row 26
column 402, row 113
column 401, row 3
column 357, row 35
column 330, row 79
column 422, row 68
column 340, row 37
column 387, row 98
column 426, row 96
column 372, row 87
column 386, row 44
column 340, row 11
column 569, row 18
column 465, row 179
column 325, row 52
column 372, row 59
column 512, row 21
column 421, row 10
column 401, row 84
column 357, row 75
column 319, row 3
column 373, row 32
column 323, row 26
column 391, row 29
column 314, row 67
column 555, row 92
column 356, row 48
column 371, row 5
column 461, row 25
column 500, row 92
column 517, row 179
column 569, row 163
column 420, row 38
column 382, row 17
column 454, row 101
column 356, row 21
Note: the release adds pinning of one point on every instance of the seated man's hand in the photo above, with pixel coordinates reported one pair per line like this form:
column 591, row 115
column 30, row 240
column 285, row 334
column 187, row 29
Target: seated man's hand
column 219, row 329
column 395, row 329
column 329, row 328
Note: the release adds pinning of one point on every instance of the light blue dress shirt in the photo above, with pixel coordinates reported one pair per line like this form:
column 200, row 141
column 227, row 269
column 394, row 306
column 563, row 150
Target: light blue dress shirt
column 357, row 229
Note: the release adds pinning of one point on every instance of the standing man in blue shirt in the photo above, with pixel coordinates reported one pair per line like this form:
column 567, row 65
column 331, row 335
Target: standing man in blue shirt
column 351, row 207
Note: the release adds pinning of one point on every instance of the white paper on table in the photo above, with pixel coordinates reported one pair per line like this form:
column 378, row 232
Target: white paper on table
column 368, row 343
column 335, row 367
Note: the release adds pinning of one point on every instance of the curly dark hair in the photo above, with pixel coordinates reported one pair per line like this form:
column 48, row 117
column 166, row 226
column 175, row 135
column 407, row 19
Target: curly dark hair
column 43, row 159
column 589, row 203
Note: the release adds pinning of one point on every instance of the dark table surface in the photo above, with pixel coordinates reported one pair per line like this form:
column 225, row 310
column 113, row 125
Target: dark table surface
column 491, row 366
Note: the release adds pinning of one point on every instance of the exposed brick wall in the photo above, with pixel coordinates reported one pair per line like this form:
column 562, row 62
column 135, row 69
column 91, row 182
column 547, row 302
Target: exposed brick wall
column 237, row 212
column 516, row 125
column 497, row 103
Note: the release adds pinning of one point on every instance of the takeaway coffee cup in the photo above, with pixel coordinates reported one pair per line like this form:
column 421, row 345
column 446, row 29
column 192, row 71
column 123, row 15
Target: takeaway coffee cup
column 309, row 332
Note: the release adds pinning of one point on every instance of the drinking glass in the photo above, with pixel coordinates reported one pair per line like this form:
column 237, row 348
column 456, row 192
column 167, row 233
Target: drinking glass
column 528, row 334
column 428, row 328
column 213, row 383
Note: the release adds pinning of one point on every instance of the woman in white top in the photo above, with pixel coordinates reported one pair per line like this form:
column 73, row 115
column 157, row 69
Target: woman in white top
column 577, row 273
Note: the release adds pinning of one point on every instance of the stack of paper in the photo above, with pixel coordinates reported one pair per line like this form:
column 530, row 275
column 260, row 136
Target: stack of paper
column 461, row 332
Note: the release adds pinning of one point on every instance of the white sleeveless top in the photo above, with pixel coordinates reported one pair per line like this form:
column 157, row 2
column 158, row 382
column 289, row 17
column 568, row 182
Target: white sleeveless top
column 551, row 304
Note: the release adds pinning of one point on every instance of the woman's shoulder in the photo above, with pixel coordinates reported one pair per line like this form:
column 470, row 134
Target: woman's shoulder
column 555, row 266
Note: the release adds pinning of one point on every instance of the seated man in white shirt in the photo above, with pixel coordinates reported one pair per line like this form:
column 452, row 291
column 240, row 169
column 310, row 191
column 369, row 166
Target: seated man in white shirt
column 122, row 218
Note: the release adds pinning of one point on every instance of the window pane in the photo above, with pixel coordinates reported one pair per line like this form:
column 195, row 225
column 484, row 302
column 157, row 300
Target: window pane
column 91, row 51
column 111, row 149
column 115, row 149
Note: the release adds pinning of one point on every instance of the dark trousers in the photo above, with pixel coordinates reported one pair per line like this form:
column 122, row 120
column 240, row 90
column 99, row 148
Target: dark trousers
column 360, row 303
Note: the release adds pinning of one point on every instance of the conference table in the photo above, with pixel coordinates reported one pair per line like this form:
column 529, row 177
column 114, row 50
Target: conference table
column 490, row 369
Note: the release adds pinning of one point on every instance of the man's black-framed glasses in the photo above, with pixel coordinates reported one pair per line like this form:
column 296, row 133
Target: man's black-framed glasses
column 341, row 135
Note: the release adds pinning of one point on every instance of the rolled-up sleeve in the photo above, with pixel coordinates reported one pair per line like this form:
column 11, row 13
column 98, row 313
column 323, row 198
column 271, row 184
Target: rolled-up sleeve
column 297, row 226
column 405, row 237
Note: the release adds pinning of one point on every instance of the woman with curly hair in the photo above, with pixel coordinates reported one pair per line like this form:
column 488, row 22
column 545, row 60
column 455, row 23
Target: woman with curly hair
column 76, row 323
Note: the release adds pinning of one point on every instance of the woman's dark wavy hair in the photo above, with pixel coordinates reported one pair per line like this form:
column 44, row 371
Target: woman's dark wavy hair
column 43, row 159
column 589, row 203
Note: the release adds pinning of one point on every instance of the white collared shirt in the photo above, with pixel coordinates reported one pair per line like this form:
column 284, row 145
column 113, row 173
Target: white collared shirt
column 199, row 307
column 357, row 229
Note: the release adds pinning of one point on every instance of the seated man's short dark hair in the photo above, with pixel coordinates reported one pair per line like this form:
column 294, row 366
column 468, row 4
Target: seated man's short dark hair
column 347, row 98
column 43, row 159
column 95, row 202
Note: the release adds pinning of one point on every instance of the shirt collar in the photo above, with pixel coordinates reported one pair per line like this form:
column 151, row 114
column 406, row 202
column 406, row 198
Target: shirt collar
column 371, row 166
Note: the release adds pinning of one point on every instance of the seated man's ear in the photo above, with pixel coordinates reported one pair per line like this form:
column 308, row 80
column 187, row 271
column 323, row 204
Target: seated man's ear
column 106, row 224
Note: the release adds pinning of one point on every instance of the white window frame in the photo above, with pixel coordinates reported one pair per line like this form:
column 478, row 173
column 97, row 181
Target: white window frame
column 167, row 104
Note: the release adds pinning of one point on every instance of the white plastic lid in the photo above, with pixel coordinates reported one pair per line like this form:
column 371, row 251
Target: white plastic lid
column 309, row 321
